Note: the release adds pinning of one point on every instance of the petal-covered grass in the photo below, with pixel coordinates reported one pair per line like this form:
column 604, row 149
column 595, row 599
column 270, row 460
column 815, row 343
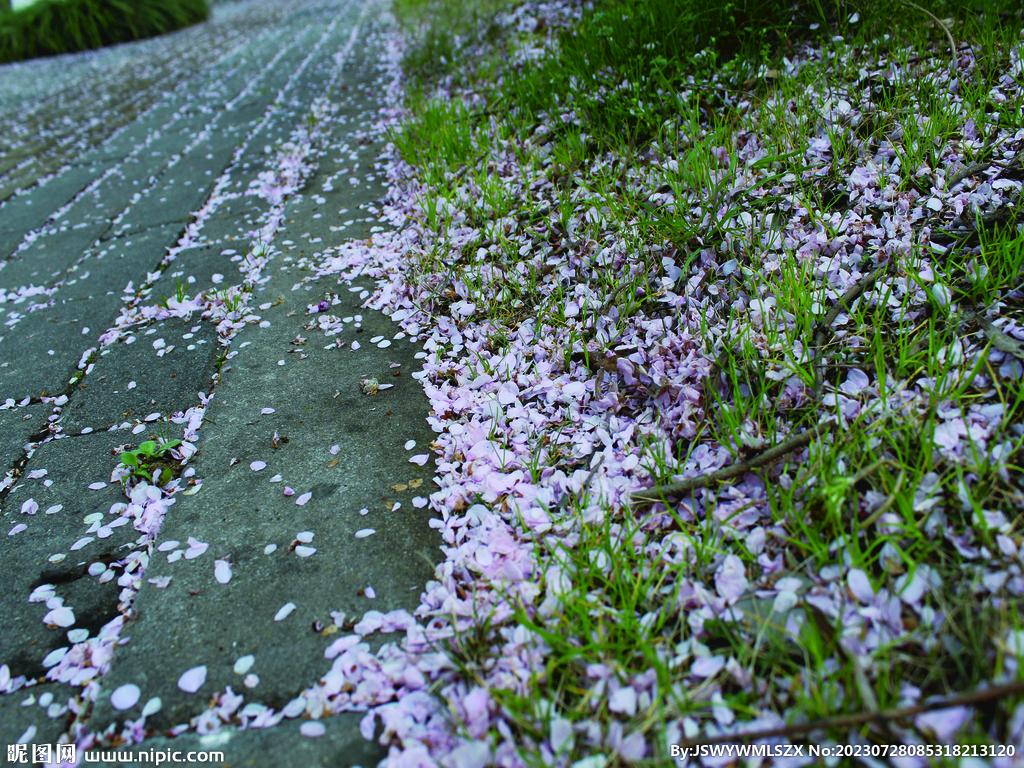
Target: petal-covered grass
column 724, row 350
column 52, row 27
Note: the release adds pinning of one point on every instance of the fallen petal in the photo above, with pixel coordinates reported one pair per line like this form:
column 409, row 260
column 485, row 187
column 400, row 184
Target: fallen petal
column 222, row 571
column 193, row 680
column 312, row 730
column 125, row 697
column 285, row 611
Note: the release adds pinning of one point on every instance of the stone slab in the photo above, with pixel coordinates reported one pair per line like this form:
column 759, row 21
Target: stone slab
column 318, row 403
column 22, row 716
column 49, row 256
column 114, row 263
column 67, row 329
column 18, row 426
column 200, row 269
column 26, row 558
column 131, row 381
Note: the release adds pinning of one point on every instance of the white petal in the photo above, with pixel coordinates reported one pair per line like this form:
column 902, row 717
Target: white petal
column 153, row 706
column 222, row 571
column 362, row 533
column 285, row 611
column 125, row 697
column 193, row 680
column 312, row 730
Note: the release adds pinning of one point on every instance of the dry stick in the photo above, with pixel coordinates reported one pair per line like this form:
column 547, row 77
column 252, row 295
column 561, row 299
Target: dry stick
column 844, row 721
column 974, row 168
column 766, row 457
column 844, row 303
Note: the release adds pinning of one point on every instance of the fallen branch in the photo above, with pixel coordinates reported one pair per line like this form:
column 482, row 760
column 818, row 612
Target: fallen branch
column 846, row 721
column 975, row 168
column 766, row 457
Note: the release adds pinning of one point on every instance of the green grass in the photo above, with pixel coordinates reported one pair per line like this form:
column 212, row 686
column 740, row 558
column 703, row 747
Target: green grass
column 659, row 98
column 52, row 27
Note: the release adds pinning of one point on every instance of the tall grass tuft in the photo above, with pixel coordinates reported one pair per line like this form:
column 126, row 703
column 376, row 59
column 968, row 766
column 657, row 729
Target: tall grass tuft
column 53, row 27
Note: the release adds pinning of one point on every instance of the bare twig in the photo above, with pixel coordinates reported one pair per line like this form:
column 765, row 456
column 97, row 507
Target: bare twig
column 766, row 457
column 883, row 717
column 976, row 168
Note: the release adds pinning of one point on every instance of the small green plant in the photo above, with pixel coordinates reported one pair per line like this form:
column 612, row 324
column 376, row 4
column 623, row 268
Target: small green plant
column 180, row 294
column 143, row 459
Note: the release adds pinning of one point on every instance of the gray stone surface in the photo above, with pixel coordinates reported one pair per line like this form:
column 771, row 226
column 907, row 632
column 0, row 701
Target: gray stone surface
column 318, row 403
column 71, row 465
column 48, row 257
column 17, row 427
column 149, row 177
column 131, row 381
column 112, row 264
column 41, row 351
column 340, row 747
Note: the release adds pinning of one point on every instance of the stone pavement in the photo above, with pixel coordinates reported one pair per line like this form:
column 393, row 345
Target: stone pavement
column 190, row 133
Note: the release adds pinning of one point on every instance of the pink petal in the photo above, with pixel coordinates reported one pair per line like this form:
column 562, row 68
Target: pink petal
column 17, row 529
column 419, row 459
column 61, row 616
column 81, row 543
column 301, row 501
column 312, row 730
column 222, row 571
column 195, row 548
column 266, row 411
column 364, row 532
column 730, row 579
column 193, row 680
column 125, row 697
column 29, row 507
column 304, row 551
column 335, row 449
column 288, row 491
column 623, row 700
column 860, row 585
column 707, row 666
column 370, row 593
column 97, row 486
column 256, row 466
